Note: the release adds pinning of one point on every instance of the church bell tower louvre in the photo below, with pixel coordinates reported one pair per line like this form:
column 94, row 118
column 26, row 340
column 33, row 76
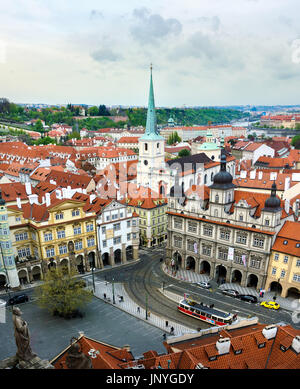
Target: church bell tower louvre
column 151, row 149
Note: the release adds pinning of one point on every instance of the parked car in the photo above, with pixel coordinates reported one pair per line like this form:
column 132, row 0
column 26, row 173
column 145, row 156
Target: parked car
column 204, row 284
column 231, row 292
column 248, row 298
column 21, row 298
column 270, row 304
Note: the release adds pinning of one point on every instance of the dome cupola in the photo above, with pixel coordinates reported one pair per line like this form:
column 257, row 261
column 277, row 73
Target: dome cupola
column 272, row 204
column 223, row 179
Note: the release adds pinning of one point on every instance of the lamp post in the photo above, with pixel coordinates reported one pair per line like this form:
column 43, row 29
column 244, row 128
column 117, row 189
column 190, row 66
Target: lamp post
column 93, row 277
column 113, row 291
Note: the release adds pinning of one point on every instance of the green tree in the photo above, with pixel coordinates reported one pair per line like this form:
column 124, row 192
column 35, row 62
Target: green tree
column 74, row 135
column 61, row 292
column 44, row 141
column 38, row 126
column 296, row 142
column 184, row 153
column 103, row 111
column 93, row 111
column 173, row 138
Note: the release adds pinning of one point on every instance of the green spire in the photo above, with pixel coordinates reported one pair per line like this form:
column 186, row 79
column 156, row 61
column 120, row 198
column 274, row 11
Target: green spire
column 151, row 123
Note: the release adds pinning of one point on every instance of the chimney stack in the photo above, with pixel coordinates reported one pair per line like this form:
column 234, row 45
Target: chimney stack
column 48, row 199
column 269, row 332
column 19, row 202
column 223, row 345
column 296, row 344
column 28, row 188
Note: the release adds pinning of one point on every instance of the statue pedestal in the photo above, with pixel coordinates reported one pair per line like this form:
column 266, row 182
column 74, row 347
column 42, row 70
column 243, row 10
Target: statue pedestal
column 35, row 363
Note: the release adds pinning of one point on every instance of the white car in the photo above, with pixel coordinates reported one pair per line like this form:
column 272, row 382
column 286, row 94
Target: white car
column 204, row 284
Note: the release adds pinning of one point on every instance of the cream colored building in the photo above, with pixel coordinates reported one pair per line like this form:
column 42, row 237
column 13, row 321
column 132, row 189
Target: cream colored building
column 284, row 265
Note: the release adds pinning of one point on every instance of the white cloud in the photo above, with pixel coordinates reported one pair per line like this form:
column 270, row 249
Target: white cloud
column 203, row 52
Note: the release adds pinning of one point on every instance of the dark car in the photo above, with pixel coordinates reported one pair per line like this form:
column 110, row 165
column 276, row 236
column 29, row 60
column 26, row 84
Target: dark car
column 248, row 298
column 231, row 292
column 21, row 298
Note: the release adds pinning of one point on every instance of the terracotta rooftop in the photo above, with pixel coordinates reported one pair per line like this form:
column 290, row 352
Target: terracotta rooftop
column 106, row 355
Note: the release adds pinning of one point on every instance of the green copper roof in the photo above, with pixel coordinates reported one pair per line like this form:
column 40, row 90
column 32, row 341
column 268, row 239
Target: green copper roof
column 151, row 131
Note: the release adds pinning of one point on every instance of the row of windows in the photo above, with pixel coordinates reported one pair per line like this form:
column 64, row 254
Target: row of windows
column 285, row 259
column 225, row 235
column 117, row 226
column 117, row 239
column 242, row 239
column 77, row 230
column 60, row 215
column 50, row 251
column 114, row 216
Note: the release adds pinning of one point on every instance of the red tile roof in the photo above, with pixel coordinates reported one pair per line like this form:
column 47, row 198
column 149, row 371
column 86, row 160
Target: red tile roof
column 106, row 355
column 190, row 354
column 288, row 238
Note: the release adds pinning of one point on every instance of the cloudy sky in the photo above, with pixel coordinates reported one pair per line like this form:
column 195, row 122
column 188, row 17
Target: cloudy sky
column 217, row 52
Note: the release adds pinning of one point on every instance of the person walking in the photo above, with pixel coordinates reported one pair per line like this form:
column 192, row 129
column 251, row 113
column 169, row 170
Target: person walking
column 138, row 310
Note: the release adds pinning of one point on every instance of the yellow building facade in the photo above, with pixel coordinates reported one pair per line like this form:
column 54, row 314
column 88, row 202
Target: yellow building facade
column 62, row 234
column 284, row 265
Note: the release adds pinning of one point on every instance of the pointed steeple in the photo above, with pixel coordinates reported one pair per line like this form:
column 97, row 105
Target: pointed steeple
column 151, row 123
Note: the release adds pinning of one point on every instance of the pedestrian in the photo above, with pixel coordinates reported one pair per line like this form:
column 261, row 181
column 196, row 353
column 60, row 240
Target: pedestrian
column 164, row 336
column 172, row 330
column 148, row 313
column 104, row 295
column 167, row 323
column 138, row 310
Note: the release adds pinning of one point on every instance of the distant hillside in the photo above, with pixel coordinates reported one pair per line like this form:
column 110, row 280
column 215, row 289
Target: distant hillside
column 186, row 116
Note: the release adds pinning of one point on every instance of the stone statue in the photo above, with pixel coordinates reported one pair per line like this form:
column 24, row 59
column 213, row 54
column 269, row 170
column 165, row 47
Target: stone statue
column 76, row 359
column 22, row 337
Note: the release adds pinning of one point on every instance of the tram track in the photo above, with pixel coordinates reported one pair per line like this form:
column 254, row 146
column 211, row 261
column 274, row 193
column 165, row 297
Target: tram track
column 142, row 287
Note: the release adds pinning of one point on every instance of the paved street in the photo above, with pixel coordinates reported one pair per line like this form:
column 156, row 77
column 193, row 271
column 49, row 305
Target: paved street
column 122, row 324
column 50, row 335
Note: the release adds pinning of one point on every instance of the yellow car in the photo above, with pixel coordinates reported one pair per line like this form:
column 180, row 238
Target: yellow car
column 270, row 304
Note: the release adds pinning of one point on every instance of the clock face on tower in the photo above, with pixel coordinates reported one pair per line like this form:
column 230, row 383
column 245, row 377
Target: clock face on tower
column 145, row 162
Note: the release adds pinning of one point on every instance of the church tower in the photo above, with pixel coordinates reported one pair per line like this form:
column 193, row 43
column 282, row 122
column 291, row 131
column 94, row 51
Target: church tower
column 151, row 149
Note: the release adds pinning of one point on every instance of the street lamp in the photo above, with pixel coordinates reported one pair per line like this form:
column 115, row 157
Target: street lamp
column 92, row 266
column 113, row 291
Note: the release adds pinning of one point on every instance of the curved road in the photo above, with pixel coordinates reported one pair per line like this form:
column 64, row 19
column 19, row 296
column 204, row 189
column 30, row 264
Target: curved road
column 143, row 279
